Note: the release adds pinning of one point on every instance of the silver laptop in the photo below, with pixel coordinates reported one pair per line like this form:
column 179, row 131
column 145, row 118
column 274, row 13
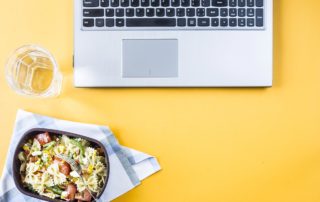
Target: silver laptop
column 173, row 43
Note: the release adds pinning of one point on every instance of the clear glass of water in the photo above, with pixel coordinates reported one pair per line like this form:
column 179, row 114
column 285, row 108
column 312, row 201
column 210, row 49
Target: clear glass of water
column 32, row 71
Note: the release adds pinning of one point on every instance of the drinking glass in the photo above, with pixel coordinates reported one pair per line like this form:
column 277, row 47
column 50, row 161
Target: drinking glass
column 32, row 71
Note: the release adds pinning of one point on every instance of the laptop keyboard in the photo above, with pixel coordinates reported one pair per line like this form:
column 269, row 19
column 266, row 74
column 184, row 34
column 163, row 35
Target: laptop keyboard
column 172, row 14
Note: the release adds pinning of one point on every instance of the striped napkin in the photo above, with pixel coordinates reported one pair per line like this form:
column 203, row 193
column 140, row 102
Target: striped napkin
column 127, row 166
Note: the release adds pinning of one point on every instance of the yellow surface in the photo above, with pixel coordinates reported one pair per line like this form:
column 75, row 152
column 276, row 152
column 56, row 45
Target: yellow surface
column 221, row 145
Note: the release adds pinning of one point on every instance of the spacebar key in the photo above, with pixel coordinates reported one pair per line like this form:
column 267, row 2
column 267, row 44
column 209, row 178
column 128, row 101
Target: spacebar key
column 150, row 22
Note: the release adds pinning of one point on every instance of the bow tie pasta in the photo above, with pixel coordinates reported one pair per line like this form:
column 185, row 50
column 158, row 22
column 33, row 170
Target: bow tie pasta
column 62, row 167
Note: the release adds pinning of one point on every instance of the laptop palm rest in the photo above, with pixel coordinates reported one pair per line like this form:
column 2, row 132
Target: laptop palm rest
column 149, row 58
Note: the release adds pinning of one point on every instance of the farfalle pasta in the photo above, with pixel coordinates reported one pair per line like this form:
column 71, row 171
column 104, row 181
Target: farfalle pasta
column 44, row 173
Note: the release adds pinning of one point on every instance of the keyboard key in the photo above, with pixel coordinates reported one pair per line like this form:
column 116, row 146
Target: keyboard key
column 241, row 22
column 119, row 22
column 224, row 22
column 90, row 3
column 160, row 12
column 165, row 3
column 203, row 22
column 181, row 12
column 129, row 12
column 224, row 12
column 114, row 3
column 195, row 3
column 109, row 12
column 155, row 3
column 149, row 12
column 259, row 17
column 191, row 12
column 242, row 12
column 124, row 3
column 181, row 22
column 212, row 12
column 175, row 3
column 250, row 12
column 259, row 3
column 200, row 12
column 191, row 22
column 185, row 3
column 99, row 22
column 145, row 3
column 119, row 12
column 109, row 22
column 170, row 12
column 88, row 22
column 104, row 3
column 151, row 22
column 220, row 3
column 233, row 12
column 139, row 12
column 93, row 12
column 205, row 3
column 250, row 3
column 214, row 22
column 134, row 3
column 241, row 3
column 233, row 3
column 250, row 22
column 232, row 22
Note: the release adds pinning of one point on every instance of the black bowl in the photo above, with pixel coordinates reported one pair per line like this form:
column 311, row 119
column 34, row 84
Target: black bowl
column 33, row 132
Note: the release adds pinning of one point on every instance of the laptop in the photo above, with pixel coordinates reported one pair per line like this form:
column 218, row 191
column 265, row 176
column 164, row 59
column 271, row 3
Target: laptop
column 173, row 43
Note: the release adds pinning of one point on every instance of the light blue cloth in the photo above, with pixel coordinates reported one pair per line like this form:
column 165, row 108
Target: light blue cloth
column 127, row 166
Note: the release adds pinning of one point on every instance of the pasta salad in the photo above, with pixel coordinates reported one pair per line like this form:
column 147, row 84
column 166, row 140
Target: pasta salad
column 44, row 172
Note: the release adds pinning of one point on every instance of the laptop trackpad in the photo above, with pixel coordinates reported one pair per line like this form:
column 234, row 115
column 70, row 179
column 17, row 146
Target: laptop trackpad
column 150, row 58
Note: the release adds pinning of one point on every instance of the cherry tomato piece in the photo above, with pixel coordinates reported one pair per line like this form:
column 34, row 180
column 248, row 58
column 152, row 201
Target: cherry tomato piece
column 43, row 138
column 86, row 195
column 64, row 167
column 71, row 189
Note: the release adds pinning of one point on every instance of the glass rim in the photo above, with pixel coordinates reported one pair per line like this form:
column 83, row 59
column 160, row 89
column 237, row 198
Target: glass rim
column 33, row 47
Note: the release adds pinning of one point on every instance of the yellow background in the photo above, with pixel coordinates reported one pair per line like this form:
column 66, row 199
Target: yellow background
column 221, row 145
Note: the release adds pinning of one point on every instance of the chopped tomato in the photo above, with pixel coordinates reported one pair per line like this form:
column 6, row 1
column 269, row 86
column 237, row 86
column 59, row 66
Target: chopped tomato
column 84, row 196
column 64, row 167
column 71, row 189
column 43, row 138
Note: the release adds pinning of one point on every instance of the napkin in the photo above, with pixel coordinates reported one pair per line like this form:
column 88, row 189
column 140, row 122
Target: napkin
column 127, row 166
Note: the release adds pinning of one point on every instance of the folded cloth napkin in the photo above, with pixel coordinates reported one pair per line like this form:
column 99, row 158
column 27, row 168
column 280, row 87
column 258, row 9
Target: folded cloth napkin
column 127, row 166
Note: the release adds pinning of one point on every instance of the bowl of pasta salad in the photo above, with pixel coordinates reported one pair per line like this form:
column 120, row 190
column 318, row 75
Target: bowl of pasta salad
column 54, row 165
